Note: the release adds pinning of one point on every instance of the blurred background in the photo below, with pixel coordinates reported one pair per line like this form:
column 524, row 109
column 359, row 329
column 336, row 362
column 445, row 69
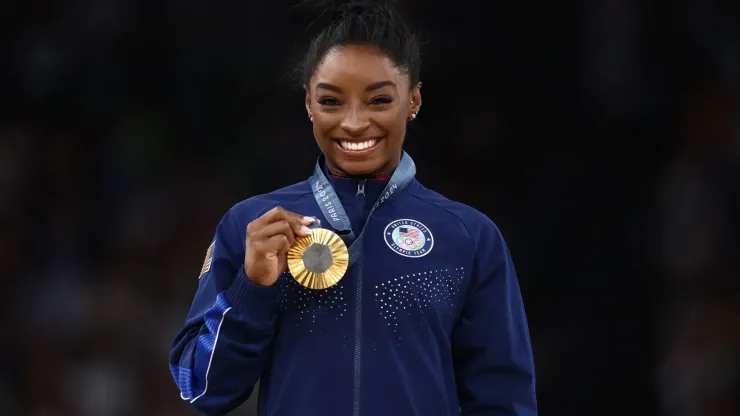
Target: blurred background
column 601, row 136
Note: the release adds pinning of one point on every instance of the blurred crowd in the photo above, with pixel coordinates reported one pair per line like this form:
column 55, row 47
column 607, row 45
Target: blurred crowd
column 602, row 137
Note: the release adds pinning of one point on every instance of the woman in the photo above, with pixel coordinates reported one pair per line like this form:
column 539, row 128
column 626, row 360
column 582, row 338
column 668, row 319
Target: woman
column 428, row 319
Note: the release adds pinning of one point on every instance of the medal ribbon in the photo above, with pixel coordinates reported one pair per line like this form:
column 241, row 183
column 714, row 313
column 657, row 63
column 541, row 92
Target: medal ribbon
column 334, row 212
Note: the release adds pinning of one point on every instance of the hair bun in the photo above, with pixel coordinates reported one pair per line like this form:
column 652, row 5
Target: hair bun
column 353, row 7
column 378, row 23
column 344, row 9
column 340, row 9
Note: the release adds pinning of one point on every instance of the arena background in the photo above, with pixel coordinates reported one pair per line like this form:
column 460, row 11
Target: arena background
column 601, row 136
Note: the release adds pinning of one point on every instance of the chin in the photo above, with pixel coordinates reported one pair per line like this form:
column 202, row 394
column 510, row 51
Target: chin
column 359, row 167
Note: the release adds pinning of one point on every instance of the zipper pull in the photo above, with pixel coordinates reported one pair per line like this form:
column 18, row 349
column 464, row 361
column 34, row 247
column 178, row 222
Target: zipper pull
column 361, row 188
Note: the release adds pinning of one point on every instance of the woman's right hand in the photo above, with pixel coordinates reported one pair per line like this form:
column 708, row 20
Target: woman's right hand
column 268, row 239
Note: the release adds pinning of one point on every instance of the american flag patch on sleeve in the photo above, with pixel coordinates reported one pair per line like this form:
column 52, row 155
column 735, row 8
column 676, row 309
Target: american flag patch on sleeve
column 209, row 258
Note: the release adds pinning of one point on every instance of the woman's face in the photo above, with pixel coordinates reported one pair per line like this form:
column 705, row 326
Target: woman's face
column 359, row 102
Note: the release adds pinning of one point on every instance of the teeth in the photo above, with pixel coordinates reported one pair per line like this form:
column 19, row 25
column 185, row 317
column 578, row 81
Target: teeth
column 358, row 146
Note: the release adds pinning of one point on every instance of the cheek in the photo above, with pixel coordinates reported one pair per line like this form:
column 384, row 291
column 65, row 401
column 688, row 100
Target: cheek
column 393, row 121
column 324, row 124
column 324, row 132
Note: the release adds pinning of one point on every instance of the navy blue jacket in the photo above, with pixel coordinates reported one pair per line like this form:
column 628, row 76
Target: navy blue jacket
column 428, row 322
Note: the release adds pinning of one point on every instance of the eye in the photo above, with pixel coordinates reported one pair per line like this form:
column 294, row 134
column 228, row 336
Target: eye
column 381, row 100
column 328, row 101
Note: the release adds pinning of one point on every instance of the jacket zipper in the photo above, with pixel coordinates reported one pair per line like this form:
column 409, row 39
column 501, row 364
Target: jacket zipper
column 360, row 207
column 358, row 339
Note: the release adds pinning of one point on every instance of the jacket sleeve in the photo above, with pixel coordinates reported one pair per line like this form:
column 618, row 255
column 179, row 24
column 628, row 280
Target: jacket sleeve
column 219, row 354
column 494, row 366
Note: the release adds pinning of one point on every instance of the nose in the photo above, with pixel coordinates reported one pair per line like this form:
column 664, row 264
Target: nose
column 355, row 122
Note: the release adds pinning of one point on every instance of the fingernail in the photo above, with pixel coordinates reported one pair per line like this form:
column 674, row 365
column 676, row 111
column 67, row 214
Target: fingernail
column 305, row 230
column 309, row 219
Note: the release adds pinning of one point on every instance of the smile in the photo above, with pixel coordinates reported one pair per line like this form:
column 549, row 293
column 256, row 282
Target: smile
column 358, row 147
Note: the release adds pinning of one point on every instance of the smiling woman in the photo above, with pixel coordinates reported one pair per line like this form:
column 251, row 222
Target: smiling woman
column 361, row 76
column 404, row 303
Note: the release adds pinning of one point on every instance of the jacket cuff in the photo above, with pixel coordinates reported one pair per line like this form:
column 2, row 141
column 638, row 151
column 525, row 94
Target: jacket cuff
column 250, row 299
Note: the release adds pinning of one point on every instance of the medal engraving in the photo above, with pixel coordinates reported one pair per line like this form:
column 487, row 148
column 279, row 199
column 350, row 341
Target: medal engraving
column 319, row 260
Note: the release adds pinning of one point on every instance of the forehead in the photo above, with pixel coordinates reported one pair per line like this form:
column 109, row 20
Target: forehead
column 357, row 64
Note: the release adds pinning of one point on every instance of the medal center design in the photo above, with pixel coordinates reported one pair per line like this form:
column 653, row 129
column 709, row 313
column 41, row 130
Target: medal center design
column 317, row 258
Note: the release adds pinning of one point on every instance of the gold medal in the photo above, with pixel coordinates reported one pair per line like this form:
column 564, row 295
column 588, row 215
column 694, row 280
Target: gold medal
column 318, row 260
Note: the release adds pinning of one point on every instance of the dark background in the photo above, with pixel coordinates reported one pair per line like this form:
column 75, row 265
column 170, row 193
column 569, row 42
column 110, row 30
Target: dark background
column 601, row 136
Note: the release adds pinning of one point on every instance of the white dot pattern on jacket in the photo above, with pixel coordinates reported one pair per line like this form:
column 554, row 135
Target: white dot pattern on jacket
column 308, row 303
column 430, row 291
column 433, row 291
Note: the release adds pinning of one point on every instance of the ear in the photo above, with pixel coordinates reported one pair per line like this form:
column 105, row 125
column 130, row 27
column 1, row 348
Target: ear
column 415, row 101
column 308, row 103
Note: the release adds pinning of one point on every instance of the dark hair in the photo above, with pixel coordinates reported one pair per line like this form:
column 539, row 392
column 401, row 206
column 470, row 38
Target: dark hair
column 374, row 23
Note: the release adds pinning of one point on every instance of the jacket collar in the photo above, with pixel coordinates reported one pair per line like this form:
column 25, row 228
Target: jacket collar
column 350, row 189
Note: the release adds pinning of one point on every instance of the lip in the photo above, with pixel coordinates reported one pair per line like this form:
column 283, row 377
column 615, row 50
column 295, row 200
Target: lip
column 359, row 153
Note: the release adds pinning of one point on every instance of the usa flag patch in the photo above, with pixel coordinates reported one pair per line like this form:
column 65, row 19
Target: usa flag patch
column 209, row 259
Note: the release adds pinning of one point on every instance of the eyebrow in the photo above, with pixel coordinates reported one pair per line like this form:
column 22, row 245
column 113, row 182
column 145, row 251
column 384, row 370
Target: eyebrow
column 371, row 87
column 379, row 85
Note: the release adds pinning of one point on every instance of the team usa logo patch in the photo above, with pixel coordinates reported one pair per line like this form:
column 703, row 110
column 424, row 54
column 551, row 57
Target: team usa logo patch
column 409, row 238
column 207, row 262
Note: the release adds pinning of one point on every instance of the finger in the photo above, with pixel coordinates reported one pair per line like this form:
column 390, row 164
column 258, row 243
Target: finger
column 279, row 213
column 297, row 222
column 276, row 228
column 277, row 244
